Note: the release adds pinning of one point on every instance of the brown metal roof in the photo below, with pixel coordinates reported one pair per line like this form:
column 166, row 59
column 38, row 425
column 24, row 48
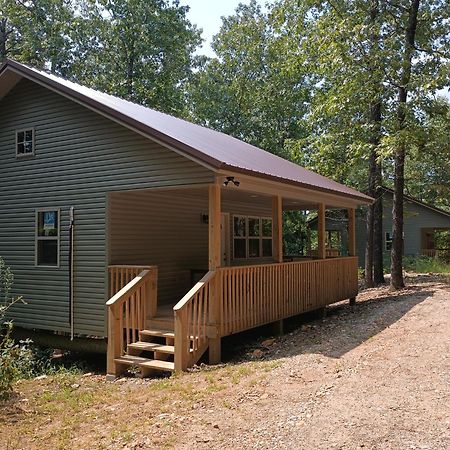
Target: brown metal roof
column 213, row 148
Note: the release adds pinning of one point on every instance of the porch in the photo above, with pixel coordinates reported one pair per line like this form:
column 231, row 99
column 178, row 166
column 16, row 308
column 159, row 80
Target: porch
column 230, row 235
column 435, row 242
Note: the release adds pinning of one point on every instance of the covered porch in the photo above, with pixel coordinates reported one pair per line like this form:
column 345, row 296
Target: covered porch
column 192, row 264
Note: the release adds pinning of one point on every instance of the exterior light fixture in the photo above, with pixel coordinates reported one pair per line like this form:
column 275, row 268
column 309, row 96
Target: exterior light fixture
column 229, row 180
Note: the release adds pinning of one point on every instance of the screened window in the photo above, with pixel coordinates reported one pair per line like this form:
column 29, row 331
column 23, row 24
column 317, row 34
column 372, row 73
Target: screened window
column 25, row 142
column 252, row 237
column 47, row 238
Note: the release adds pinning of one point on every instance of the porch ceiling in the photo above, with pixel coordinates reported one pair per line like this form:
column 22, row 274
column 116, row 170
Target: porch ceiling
column 252, row 189
column 255, row 194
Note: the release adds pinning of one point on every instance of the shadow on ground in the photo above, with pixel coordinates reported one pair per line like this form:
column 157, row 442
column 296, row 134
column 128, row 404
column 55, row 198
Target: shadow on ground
column 340, row 331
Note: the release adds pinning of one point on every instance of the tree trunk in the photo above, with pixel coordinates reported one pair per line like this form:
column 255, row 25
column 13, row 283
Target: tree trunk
column 3, row 39
column 378, row 263
column 368, row 266
column 374, row 255
column 397, row 281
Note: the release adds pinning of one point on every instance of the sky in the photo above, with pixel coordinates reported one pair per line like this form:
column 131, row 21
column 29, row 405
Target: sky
column 207, row 15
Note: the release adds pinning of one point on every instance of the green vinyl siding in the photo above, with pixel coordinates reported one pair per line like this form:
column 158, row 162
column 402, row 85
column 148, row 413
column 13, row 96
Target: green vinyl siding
column 80, row 156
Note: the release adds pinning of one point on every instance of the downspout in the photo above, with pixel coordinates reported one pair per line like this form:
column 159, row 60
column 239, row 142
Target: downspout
column 71, row 296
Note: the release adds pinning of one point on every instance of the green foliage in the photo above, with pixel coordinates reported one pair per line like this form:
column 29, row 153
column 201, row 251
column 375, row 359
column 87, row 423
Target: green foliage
column 246, row 91
column 295, row 233
column 12, row 355
column 426, row 265
column 141, row 50
column 354, row 50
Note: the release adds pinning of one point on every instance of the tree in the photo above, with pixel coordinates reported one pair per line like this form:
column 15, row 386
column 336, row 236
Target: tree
column 357, row 51
column 37, row 32
column 428, row 166
column 245, row 90
column 140, row 50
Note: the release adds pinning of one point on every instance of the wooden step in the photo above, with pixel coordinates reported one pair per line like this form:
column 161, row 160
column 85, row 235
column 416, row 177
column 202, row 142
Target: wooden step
column 146, row 363
column 129, row 360
column 152, row 347
column 158, row 364
column 160, row 323
column 157, row 333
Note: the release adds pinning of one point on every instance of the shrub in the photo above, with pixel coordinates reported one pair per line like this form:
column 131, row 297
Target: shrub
column 13, row 356
column 423, row 264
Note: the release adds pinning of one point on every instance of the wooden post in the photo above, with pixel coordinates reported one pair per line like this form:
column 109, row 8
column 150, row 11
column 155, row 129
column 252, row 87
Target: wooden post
column 321, row 250
column 277, row 232
column 215, row 344
column 214, row 227
column 181, row 340
column 278, row 327
column 351, row 232
column 215, row 249
column 113, row 344
column 151, row 292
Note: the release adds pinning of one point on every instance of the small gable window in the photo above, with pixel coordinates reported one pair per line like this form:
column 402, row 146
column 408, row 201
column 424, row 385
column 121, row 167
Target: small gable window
column 25, row 142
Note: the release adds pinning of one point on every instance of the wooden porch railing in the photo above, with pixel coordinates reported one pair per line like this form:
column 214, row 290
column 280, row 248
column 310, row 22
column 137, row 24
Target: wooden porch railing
column 192, row 318
column 329, row 253
column 436, row 252
column 120, row 275
column 255, row 295
column 129, row 308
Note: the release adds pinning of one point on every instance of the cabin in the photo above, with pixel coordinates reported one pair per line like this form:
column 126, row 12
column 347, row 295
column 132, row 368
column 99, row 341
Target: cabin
column 161, row 236
column 426, row 230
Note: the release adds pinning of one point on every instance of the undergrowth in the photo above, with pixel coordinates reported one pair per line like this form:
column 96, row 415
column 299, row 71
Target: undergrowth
column 426, row 265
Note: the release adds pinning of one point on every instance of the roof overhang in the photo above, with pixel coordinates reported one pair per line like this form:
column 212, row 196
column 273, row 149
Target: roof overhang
column 294, row 197
column 12, row 72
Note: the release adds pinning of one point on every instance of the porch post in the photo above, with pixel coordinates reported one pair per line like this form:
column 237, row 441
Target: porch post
column 277, row 220
column 215, row 248
column 214, row 227
column 321, row 250
column 351, row 232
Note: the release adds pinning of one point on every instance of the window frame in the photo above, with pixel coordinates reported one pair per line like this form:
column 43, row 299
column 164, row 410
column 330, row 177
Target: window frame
column 260, row 238
column 38, row 238
column 386, row 241
column 33, row 146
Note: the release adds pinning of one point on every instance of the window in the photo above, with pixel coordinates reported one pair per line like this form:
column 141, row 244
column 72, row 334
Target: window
column 25, row 142
column 388, row 242
column 47, row 237
column 252, row 237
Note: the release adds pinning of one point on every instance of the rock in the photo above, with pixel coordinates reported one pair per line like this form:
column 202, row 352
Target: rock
column 257, row 353
column 267, row 342
column 74, row 386
column 41, row 377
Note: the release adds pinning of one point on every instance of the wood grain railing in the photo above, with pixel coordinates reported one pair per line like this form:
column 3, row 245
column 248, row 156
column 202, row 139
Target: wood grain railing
column 329, row 253
column 255, row 295
column 128, row 310
column 192, row 320
column 120, row 275
column 436, row 252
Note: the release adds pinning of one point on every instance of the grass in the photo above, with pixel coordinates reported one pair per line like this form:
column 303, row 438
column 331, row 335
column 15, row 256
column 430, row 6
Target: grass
column 53, row 412
column 426, row 265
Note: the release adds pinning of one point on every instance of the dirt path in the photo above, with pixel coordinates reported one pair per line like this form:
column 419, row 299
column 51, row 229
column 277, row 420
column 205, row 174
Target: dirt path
column 375, row 378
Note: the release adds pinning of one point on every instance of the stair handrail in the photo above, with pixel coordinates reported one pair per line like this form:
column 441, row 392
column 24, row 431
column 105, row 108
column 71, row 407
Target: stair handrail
column 128, row 311
column 191, row 315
